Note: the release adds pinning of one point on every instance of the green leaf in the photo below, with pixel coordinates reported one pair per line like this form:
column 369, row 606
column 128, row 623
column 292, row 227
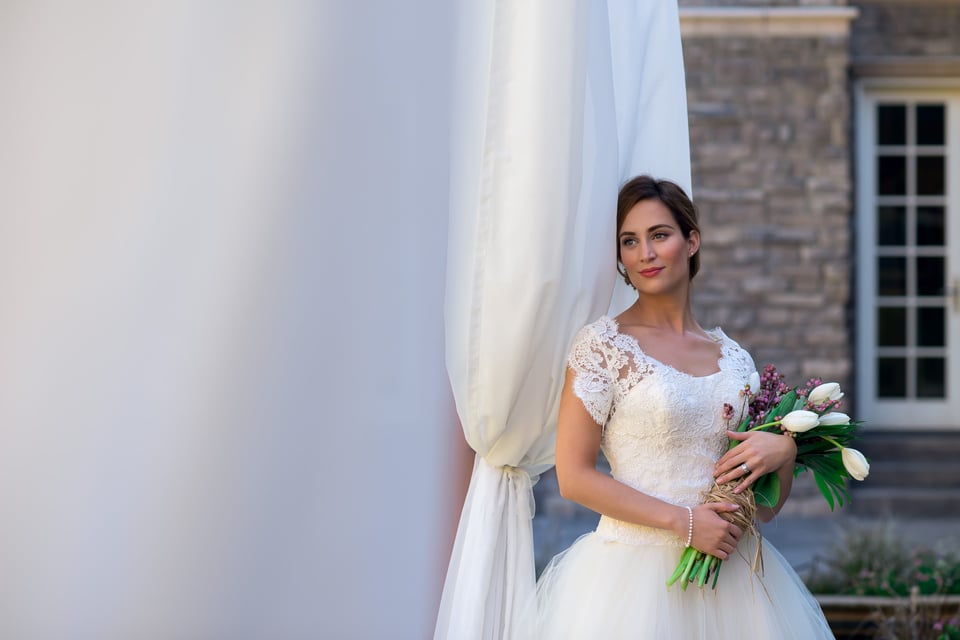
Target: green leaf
column 766, row 490
column 824, row 489
column 843, row 496
column 785, row 405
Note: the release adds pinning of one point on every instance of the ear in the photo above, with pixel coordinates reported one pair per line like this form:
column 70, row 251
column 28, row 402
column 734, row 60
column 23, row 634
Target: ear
column 693, row 243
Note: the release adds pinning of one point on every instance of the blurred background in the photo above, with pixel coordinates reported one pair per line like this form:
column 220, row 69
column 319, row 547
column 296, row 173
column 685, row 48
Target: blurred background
column 223, row 405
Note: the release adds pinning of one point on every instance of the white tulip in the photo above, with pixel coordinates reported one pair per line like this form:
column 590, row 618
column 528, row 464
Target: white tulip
column 825, row 393
column 800, row 420
column 754, row 382
column 834, row 418
column 855, row 462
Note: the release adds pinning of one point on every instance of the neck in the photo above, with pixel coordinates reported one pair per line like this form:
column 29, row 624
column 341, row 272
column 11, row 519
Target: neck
column 663, row 312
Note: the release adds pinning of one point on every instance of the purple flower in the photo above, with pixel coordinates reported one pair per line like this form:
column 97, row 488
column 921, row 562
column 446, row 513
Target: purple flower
column 727, row 411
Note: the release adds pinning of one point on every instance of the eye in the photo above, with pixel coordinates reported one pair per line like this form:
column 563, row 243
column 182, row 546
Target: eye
column 660, row 235
column 628, row 242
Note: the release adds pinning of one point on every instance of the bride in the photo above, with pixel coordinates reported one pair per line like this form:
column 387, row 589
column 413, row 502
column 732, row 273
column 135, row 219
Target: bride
column 648, row 388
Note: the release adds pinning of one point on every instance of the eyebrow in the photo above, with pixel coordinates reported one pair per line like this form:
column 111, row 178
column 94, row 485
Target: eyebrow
column 653, row 228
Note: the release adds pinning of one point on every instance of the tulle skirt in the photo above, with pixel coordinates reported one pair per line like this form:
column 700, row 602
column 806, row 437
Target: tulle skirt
column 600, row 588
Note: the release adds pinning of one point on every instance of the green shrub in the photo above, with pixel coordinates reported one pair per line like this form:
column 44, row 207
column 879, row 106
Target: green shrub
column 875, row 561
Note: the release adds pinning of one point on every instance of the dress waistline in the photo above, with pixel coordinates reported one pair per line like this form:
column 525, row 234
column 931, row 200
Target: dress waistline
column 636, row 534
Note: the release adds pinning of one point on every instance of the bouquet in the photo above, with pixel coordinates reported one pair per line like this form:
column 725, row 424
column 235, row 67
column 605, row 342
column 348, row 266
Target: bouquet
column 822, row 437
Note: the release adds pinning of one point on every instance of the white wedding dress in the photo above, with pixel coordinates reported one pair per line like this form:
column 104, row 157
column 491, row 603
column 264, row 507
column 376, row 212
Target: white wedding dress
column 663, row 431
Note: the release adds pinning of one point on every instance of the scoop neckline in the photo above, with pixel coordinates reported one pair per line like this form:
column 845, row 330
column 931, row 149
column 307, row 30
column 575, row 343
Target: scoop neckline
column 716, row 334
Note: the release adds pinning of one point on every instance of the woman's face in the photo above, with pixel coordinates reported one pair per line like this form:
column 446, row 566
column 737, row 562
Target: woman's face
column 653, row 250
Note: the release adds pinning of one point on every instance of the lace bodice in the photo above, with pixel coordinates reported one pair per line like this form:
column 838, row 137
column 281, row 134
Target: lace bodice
column 663, row 429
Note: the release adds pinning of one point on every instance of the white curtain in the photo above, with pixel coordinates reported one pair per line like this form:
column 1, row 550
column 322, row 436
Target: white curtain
column 223, row 407
column 556, row 104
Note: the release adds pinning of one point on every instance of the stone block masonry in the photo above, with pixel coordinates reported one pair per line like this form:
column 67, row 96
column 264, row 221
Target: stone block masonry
column 898, row 28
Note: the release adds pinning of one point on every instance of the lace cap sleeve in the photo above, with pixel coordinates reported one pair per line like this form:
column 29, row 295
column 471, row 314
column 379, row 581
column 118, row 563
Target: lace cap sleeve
column 740, row 359
column 593, row 381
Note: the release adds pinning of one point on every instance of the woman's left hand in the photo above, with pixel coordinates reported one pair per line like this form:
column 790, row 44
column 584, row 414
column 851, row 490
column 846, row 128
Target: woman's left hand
column 760, row 451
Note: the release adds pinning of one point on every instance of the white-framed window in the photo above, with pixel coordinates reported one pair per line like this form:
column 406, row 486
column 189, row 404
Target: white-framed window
column 908, row 256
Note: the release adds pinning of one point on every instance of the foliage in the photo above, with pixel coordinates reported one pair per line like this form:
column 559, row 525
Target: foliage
column 875, row 561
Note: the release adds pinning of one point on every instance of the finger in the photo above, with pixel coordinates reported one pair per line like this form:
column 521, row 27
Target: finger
column 729, row 475
column 727, row 458
column 729, row 455
column 737, row 470
column 729, row 471
column 738, row 435
column 745, row 483
column 719, row 507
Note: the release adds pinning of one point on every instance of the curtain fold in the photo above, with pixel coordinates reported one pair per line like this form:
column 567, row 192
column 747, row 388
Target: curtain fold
column 556, row 104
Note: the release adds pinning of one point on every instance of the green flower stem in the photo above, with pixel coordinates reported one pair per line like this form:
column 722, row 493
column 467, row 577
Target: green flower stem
column 704, row 571
column 716, row 562
column 685, row 558
column 833, row 442
column 686, row 572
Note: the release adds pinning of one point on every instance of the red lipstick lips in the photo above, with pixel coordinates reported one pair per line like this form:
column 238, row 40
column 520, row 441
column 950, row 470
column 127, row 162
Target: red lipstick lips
column 649, row 273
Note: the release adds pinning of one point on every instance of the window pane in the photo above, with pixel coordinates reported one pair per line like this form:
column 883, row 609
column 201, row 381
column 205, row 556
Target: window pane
column 930, row 226
column 891, row 175
column 891, row 326
column 930, row 175
column 891, row 124
column 931, row 378
column 930, row 121
column 891, row 377
column 930, row 327
column 891, row 226
column 891, row 276
column 931, row 279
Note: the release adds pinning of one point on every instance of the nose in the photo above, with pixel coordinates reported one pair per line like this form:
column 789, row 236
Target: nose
column 648, row 252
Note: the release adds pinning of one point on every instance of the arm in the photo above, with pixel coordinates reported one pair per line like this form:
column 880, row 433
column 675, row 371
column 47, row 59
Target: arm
column 762, row 452
column 578, row 443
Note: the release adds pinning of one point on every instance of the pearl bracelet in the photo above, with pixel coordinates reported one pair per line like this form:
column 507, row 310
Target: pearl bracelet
column 690, row 531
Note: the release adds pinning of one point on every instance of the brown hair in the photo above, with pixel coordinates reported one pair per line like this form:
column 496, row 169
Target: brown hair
column 672, row 196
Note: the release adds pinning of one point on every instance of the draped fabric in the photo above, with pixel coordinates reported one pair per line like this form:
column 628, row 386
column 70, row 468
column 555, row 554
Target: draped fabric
column 556, row 104
column 223, row 404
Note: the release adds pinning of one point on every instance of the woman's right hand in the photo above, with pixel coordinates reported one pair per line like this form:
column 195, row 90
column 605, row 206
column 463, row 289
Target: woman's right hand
column 711, row 533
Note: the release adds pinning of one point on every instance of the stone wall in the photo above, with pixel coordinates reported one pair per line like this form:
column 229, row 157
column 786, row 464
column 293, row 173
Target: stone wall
column 906, row 28
column 771, row 172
